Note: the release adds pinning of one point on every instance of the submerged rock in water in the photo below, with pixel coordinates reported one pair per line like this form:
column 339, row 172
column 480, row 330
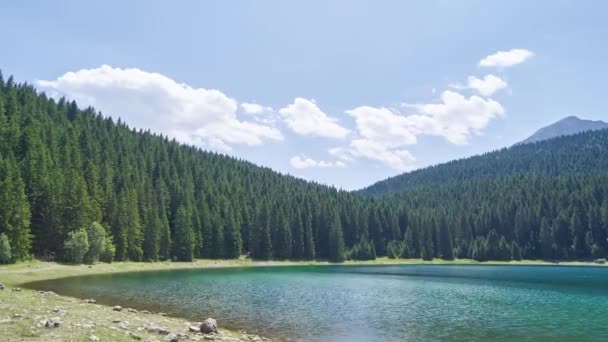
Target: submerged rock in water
column 209, row 326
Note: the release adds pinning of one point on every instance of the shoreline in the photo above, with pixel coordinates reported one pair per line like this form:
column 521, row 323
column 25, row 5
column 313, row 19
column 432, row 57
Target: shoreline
column 22, row 310
column 31, row 271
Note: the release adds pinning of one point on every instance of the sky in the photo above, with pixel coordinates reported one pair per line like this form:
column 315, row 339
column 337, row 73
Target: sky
column 344, row 93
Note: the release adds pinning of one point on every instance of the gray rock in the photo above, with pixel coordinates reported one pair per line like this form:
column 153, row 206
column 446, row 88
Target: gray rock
column 93, row 338
column 182, row 336
column 90, row 301
column 60, row 310
column 209, row 326
column 158, row 330
column 117, row 308
column 116, row 320
column 172, row 338
column 132, row 310
column 48, row 293
column 145, row 311
column 53, row 322
column 1, row 286
column 194, row 329
column 209, row 337
column 135, row 337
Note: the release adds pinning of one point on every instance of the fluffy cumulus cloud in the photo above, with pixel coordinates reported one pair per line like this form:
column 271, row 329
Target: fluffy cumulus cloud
column 383, row 133
column 304, row 117
column 502, row 59
column 455, row 117
column 487, row 85
column 143, row 99
column 303, row 162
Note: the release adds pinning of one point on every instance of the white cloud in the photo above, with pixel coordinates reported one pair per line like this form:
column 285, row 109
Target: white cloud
column 341, row 153
column 488, row 85
column 455, row 118
column 382, row 125
column 303, row 162
column 305, row 118
column 254, row 108
column 150, row 100
column 397, row 159
column 509, row 58
column 383, row 133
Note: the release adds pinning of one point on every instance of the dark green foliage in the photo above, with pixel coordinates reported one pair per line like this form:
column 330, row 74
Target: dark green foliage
column 336, row 239
column 184, row 235
column 546, row 240
column 63, row 168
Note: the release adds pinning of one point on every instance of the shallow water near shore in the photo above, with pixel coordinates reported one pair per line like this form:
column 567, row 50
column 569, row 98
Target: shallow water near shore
column 371, row 303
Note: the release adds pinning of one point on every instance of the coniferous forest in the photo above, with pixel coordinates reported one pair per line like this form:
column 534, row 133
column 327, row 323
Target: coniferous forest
column 83, row 187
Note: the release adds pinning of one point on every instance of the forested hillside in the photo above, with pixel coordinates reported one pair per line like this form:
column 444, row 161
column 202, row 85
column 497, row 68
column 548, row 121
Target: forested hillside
column 567, row 155
column 70, row 177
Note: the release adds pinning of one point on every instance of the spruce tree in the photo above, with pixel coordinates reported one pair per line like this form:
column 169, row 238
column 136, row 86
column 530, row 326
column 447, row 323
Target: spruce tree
column 183, row 236
column 336, row 239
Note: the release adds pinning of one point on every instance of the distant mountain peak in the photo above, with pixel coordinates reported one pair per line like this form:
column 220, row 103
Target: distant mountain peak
column 566, row 126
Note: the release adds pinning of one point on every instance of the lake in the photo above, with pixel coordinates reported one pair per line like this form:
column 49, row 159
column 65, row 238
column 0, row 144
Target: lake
column 371, row 303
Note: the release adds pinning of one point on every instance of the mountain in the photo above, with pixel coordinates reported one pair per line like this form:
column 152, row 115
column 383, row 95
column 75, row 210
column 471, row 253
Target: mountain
column 85, row 187
column 585, row 152
column 567, row 126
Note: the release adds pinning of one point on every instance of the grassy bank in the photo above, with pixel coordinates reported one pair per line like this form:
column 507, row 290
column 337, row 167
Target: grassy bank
column 22, row 311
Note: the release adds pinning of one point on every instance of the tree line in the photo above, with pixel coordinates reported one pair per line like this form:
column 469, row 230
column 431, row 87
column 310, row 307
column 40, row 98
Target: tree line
column 85, row 187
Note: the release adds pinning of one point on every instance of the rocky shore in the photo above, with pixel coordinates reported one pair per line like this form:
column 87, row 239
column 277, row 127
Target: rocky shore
column 28, row 315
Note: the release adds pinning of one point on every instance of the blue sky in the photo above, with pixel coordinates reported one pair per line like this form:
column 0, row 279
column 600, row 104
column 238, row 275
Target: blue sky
column 345, row 92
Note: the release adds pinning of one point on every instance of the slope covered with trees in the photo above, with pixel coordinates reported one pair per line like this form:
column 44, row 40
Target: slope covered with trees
column 580, row 153
column 82, row 186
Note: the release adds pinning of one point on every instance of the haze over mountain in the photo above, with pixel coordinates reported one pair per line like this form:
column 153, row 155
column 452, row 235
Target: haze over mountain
column 566, row 126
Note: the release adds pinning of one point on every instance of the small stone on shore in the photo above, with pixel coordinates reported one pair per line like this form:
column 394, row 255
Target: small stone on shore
column 2, row 286
column 209, row 326
column 93, row 338
column 117, row 308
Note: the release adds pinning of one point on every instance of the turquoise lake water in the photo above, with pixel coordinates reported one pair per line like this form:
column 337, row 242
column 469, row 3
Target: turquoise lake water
column 372, row 303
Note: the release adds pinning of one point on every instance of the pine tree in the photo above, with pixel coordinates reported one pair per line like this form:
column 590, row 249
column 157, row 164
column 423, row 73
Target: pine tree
column 445, row 242
column 285, row 239
column 546, row 240
column 336, row 239
column 14, row 210
column 234, row 243
column 309, row 243
column 184, row 235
